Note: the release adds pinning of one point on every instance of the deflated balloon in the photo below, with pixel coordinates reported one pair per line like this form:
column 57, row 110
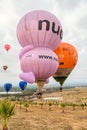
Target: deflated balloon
column 68, row 57
column 40, row 29
column 7, row 87
column 22, row 85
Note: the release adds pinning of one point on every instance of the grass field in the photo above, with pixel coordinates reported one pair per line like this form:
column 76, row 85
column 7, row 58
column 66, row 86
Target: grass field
column 68, row 114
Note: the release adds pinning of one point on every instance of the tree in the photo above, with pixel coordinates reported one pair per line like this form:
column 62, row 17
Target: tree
column 82, row 105
column 74, row 105
column 50, row 104
column 41, row 104
column 26, row 104
column 7, row 109
column 63, row 105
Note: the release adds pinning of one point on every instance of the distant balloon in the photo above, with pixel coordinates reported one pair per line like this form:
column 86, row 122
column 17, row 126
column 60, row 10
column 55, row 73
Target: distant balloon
column 40, row 29
column 68, row 57
column 5, row 67
column 7, row 87
column 38, row 64
column 7, row 47
column 22, row 85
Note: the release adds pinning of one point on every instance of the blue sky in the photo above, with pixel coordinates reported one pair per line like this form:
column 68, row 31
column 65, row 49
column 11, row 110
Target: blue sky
column 73, row 17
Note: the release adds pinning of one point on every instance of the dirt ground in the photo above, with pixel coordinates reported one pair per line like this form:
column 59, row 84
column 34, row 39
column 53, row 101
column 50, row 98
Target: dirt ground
column 40, row 115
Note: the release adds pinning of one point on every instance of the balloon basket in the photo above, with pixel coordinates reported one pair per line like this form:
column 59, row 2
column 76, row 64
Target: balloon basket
column 39, row 95
column 40, row 84
column 60, row 88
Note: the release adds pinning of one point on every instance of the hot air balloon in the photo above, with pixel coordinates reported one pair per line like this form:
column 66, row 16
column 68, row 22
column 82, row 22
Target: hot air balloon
column 5, row 67
column 22, row 85
column 68, row 57
column 40, row 29
column 7, row 47
column 38, row 65
column 7, row 87
column 38, row 32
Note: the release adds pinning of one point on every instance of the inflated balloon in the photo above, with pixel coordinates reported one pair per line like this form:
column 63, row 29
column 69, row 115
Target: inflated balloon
column 37, row 64
column 68, row 57
column 40, row 29
column 7, row 47
column 7, row 87
column 5, row 67
column 22, row 85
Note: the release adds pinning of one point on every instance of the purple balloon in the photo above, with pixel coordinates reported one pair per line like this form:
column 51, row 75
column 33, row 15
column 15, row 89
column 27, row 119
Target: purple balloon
column 40, row 29
column 37, row 63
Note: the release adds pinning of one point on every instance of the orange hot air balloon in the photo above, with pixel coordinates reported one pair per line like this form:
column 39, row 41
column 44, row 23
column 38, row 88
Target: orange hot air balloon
column 68, row 57
column 5, row 67
column 7, row 47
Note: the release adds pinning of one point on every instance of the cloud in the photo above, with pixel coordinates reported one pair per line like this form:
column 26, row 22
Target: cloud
column 73, row 16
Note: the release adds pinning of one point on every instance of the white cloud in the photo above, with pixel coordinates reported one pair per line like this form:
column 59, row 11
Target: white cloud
column 73, row 16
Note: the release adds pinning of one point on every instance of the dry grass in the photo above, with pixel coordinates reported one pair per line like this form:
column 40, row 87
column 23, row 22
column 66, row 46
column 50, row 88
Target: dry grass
column 41, row 118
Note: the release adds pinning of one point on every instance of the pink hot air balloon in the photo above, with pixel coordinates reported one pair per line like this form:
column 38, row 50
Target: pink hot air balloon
column 37, row 64
column 40, row 29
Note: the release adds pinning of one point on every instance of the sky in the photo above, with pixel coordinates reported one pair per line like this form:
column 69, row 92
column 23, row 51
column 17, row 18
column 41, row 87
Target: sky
column 73, row 17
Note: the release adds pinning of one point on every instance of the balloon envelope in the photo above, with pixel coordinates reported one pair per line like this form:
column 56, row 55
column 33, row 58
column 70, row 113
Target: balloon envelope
column 5, row 67
column 40, row 29
column 7, row 87
column 41, row 62
column 68, row 57
column 7, row 47
column 22, row 85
